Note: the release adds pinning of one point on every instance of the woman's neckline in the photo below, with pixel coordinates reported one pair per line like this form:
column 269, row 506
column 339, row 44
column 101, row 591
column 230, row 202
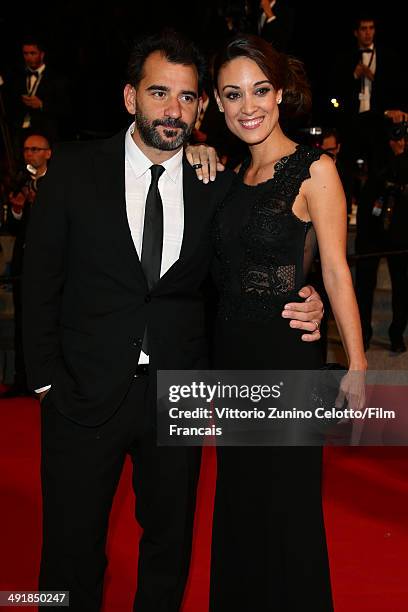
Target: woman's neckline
column 277, row 166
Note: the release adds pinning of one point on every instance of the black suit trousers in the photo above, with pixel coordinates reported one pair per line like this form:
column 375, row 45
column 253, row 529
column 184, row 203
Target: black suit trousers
column 366, row 282
column 81, row 467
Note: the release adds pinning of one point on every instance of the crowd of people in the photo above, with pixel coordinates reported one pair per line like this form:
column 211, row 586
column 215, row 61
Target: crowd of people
column 370, row 102
column 117, row 247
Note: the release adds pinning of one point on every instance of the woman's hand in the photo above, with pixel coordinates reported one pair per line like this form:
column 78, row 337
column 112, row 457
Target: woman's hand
column 205, row 161
column 352, row 390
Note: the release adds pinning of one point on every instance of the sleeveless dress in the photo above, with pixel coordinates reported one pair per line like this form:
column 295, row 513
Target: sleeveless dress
column 269, row 549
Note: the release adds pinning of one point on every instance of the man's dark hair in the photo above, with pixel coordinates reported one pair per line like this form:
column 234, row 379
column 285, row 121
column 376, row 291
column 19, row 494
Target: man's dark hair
column 357, row 20
column 35, row 41
column 176, row 48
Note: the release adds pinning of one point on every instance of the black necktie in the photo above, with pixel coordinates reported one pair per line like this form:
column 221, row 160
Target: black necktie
column 31, row 84
column 152, row 235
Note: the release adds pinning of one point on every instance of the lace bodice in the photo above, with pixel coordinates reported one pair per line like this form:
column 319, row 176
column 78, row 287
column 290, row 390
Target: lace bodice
column 260, row 243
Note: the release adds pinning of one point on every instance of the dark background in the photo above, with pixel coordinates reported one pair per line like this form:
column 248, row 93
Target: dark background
column 89, row 41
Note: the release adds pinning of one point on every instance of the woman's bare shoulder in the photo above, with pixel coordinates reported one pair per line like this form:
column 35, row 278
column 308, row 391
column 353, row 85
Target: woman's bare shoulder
column 323, row 166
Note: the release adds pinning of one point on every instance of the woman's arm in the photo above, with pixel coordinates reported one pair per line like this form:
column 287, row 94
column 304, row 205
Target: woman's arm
column 326, row 204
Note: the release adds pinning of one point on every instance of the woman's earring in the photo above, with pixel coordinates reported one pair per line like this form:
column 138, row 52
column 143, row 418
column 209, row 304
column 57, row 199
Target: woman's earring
column 279, row 101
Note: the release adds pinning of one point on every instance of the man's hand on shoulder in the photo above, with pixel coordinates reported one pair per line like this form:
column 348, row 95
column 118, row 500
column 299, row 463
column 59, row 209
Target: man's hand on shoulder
column 306, row 315
column 205, row 161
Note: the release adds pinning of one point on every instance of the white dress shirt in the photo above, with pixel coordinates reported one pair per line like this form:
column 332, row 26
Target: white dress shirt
column 32, row 83
column 137, row 183
column 370, row 60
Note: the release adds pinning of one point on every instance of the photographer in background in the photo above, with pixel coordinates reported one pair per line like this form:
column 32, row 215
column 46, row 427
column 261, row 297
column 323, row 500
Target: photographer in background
column 382, row 226
column 36, row 153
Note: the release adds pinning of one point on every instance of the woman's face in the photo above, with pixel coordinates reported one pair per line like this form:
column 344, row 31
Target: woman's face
column 248, row 99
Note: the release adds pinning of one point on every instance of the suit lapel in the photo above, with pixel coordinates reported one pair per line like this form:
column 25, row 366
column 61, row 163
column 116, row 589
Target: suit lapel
column 196, row 200
column 110, row 183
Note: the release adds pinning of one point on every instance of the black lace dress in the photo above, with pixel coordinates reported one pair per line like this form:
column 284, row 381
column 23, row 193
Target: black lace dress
column 269, row 548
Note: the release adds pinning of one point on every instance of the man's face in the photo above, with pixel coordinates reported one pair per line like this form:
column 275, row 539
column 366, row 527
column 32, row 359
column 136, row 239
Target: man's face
column 165, row 104
column 37, row 152
column 365, row 33
column 33, row 57
column 330, row 145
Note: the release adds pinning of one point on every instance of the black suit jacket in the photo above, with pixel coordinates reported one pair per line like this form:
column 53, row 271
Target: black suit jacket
column 279, row 32
column 390, row 180
column 55, row 118
column 86, row 301
column 388, row 86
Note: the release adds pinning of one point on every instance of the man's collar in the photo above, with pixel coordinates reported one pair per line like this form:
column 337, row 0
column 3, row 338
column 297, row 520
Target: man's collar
column 41, row 175
column 39, row 70
column 141, row 164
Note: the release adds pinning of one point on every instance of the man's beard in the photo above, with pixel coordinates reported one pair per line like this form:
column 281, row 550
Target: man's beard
column 152, row 138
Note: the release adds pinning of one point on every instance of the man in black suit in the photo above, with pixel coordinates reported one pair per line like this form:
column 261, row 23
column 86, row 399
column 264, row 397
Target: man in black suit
column 38, row 98
column 118, row 249
column 276, row 23
column 382, row 226
column 368, row 81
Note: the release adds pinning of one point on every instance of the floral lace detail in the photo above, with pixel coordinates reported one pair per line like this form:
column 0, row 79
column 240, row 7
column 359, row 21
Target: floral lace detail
column 260, row 242
column 269, row 280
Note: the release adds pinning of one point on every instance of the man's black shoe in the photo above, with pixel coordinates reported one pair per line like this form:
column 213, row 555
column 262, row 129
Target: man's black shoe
column 398, row 346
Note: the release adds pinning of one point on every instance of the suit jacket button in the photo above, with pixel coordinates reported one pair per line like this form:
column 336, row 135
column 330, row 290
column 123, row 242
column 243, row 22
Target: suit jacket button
column 148, row 298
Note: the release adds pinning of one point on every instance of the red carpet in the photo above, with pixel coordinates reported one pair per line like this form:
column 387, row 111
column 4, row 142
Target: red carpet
column 366, row 509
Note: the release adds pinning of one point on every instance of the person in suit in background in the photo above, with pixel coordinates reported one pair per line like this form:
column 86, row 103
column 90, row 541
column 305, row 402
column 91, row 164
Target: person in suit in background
column 382, row 226
column 37, row 152
column 368, row 82
column 118, row 249
column 38, row 98
column 276, row 23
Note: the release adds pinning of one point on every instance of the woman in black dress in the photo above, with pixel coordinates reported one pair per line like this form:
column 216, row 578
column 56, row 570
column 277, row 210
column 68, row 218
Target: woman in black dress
column 269, row 548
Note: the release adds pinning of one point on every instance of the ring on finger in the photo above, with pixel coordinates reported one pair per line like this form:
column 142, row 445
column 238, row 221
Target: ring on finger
column 317, row 324
column 197, row 166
